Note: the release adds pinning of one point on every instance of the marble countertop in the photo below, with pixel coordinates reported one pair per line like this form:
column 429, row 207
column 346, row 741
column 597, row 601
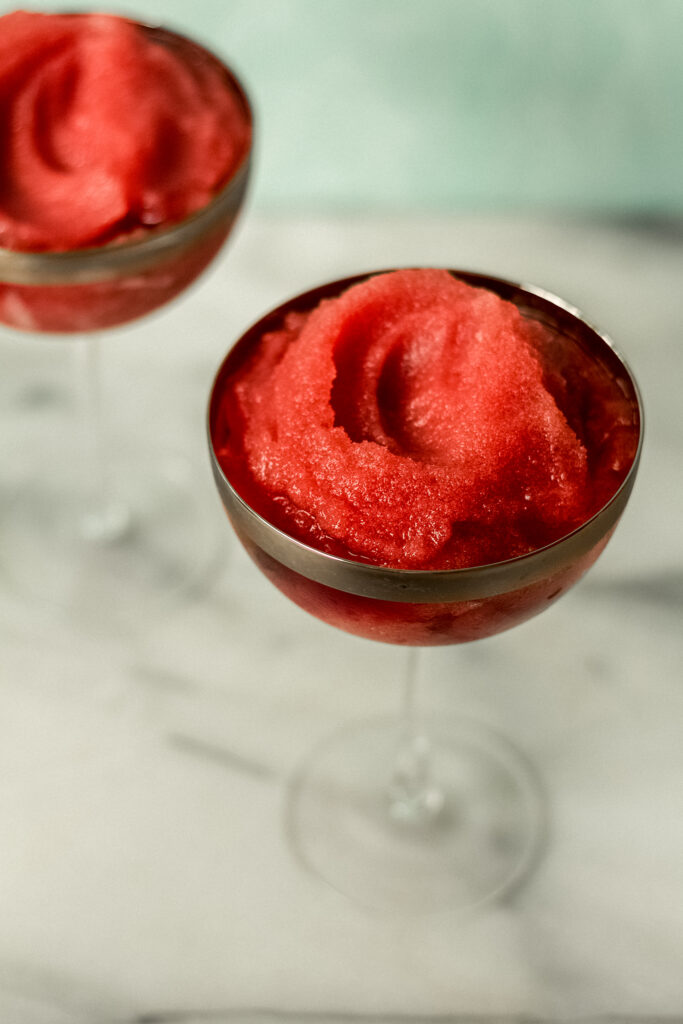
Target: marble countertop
column 144, row 756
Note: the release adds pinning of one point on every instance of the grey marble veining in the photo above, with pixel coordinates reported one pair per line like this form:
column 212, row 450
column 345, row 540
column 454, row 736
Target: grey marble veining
column 144, row 761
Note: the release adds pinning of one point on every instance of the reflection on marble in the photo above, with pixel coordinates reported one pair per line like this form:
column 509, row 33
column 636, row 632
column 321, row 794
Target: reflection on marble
column 143, row 868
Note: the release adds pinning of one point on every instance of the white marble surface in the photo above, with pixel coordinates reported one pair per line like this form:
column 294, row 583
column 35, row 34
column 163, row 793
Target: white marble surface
column 143, row 763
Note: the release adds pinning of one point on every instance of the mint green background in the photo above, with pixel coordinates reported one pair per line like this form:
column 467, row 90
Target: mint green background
column 453, row 104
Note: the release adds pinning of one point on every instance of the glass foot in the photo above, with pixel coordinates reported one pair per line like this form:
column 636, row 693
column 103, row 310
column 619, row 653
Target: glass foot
column 155, row 542
column 481, row 839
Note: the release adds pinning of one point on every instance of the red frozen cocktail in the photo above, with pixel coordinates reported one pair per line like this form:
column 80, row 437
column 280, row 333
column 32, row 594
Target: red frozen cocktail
column 124, row 161
column 422, row 457
column 439, row 454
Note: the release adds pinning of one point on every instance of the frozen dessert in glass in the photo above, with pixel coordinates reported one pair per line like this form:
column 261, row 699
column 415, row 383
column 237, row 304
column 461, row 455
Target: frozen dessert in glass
column 125, row 156
column 422, row 457
column 124, row 161
column 416, row 422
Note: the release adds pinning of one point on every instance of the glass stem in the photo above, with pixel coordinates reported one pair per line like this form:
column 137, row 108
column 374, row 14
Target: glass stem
column 415, row 798
column 105, row 518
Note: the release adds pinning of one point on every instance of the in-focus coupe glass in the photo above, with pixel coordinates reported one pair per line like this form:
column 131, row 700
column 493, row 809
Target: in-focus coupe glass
column 404, row 813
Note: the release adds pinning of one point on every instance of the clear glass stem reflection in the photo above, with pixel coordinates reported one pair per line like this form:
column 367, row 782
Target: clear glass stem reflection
column 415, row 797
column 106, row 518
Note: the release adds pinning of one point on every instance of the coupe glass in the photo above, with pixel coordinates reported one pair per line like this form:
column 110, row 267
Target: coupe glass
column 404, row 813
column 88, row 535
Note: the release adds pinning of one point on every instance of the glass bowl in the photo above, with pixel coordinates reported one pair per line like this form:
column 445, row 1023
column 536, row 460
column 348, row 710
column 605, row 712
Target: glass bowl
column 415, row 607
column 102, row 286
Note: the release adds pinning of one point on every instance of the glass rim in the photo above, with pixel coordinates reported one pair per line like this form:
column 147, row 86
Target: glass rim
column 428, row 585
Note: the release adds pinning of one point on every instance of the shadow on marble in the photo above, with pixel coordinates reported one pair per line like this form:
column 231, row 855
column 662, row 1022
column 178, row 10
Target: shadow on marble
column 663, row 589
